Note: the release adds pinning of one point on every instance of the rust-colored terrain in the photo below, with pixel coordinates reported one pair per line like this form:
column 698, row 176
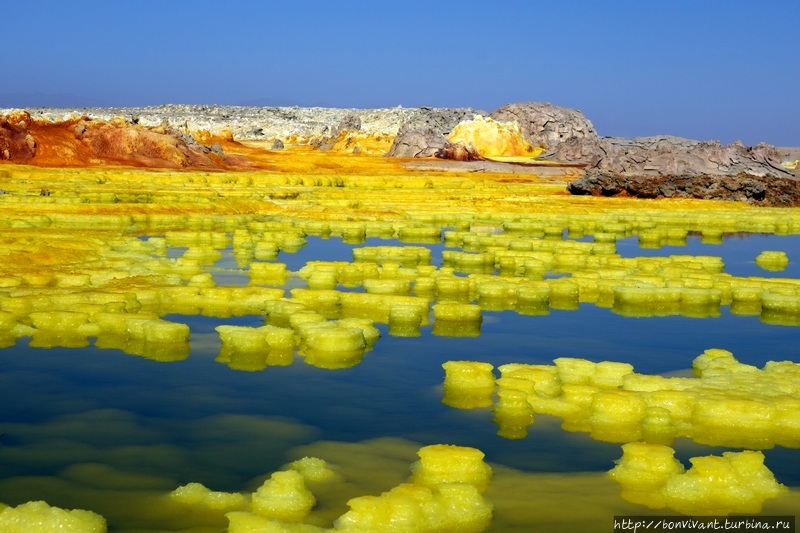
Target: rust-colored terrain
column 85, row 142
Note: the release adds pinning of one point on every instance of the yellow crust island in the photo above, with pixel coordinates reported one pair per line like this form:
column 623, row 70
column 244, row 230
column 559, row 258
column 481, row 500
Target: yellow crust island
column 444, row 494
column 34, row 517
column 736, row 482
column 727, row 404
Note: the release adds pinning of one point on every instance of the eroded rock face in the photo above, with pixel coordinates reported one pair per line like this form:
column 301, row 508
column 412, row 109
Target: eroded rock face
column 303, row 124
column 666, row 155
column 459, row 152
column 442, row 119
column 16, row 143
column 83, row 141
column 159, row 146
column 759, row 190
column 568, row 136
column 547, row 125
column 422, row 142
column 349, row 123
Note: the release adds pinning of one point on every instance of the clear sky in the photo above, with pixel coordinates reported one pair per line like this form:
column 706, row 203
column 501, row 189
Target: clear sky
column 704, row 69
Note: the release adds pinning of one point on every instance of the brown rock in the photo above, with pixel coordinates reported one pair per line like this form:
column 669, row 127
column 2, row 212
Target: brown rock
column 459, row 152
column 16, row 144
column 160, row 146
column 83, row 141
column 758, row 190
column 424, row 142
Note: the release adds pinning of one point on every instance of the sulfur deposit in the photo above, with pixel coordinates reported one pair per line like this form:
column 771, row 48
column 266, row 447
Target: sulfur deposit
column 494, row 139
column 444, row 493
column 39, row 516
column 727, row 404
column 736, row 482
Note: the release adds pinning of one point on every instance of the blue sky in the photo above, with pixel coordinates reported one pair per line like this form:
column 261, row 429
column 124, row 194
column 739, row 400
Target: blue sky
column 701, row 69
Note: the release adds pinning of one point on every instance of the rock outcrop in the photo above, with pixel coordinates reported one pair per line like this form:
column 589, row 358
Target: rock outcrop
column 349, row 123
column 758, row 190
column 459, row 152
column 16, row 143
column 666, row 155
column 652, row 167
column 417, row 142
column 549, row 126
column 289, row 124
column 568, row 136
column 160, row 146
column 430, row 142
column 442, row 119
column 86, row 142
column 491, row 138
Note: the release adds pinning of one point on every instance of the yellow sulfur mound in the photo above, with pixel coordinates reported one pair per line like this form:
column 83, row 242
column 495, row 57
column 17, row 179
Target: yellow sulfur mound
column 734, row 483
column 35, row 517
column 468, row 375
column 493, row 139
column 197, row 493
column 336, row 343
column 313, row 469
column 284, row 496
column 728, row 403
column 243, row 522
column 772, row 260
column 457, row 312
column 411, row 508
column 445, row 463
column 644, row 470
column 468, row 384
column 444, row 494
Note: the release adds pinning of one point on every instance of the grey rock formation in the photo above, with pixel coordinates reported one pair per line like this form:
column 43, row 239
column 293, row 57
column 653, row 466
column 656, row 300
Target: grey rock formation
column 666, row 155
column 350, row 122
column 257, row 123
column 759, row 190
column 277, row 145
column 547, row 125
column 423, row 133
column 568, row 136
column 420, row 142
column 652, row 167
column 441, row 119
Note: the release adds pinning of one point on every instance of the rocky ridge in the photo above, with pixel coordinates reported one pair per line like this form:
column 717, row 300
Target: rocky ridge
column 657, row 166
column 299, row 124
column 758, row 190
